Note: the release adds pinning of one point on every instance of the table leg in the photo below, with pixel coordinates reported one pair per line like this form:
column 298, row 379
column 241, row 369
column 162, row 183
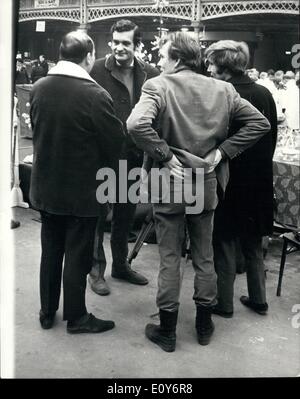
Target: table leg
column 282, row 263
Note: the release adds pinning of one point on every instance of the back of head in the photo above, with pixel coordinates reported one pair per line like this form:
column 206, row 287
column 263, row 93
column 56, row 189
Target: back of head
column 263, row 75
column 75, row 46
column 125, row 25
column 185, row 48
column 229, row 55
column 278, row 76
column 289, row 75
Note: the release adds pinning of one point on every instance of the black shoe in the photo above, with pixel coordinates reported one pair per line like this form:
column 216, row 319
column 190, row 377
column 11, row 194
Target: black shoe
column 89, row 324
column 260, row 308
column 222, row 313
column 126, row 273
column 46, row 320
column 14, row 224
column 204, row 325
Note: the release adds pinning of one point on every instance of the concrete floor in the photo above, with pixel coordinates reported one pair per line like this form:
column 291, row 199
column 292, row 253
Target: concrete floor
column 248, row 345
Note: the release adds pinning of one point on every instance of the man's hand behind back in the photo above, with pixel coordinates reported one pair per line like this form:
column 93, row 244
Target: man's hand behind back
column 213, row 158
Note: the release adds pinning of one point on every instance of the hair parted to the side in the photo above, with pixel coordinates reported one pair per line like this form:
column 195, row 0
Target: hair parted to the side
column 185, row 48
column 75, row 46
column 229, row 55
column 125, row 25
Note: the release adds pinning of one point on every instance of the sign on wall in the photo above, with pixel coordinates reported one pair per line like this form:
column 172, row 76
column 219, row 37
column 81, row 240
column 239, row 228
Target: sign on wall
column 46, row 3
column 40, row 26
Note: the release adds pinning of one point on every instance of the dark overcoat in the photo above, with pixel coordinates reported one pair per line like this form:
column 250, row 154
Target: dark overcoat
column 75, row 133
column 248, row 204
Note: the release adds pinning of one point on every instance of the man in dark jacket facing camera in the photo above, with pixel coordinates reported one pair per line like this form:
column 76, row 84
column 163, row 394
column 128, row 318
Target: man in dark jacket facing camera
column 122, row 75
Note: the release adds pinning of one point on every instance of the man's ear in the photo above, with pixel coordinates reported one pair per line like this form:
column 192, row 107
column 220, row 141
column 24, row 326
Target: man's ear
column 89, row 58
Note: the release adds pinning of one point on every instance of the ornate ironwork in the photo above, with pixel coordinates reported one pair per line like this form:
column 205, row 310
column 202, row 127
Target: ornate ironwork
column 61, row 14
column 224, row 8
column 192, row 10
column 196, row 10
column 83, row 12
column 183, row 11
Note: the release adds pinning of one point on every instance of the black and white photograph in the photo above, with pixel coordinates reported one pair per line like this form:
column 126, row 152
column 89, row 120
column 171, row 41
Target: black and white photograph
column 150, row 193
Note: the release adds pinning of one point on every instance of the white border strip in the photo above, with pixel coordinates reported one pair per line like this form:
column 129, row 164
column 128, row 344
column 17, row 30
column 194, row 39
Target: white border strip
column 6, row 247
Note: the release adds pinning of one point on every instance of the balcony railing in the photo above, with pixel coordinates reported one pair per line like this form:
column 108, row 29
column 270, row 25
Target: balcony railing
column 30, row 4
column 94, row 3
column 210, row 9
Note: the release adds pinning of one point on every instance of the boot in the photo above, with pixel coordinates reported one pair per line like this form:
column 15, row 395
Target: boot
column 204, row 325
column 165, row 334
column 97, row 280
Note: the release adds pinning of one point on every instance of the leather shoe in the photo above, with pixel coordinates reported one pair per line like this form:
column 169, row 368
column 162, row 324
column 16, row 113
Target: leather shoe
column 222, row 313
column 126, row 273
column 99, row 286
column 14, row 224
column 260, row 308
column 46, row 320
column 89, row 324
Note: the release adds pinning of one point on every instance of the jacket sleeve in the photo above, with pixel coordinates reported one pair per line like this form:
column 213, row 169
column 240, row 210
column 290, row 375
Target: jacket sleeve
column 141, row 120
column 273, row 122
column 107, row 124
column 254, row 126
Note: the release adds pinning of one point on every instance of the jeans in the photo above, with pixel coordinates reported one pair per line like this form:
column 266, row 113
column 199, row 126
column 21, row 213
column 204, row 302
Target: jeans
column 170, row 220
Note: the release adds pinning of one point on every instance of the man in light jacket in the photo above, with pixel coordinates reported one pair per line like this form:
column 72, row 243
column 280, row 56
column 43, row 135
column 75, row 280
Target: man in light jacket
column 182, row 121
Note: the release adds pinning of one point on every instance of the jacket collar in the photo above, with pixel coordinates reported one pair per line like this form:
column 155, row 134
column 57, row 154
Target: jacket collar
column 182, row 68
column 140, row 74
column 68, row 68
column 177, row 69
column 241, row 79
column 110, row 63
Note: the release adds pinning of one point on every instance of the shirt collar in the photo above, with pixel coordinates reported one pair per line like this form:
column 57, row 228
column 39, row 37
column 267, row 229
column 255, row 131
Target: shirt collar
column 130, row 66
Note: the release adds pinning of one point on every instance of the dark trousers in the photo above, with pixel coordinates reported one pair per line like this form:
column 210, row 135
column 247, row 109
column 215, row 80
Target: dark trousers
column 226, row 256
column 121, row 225
column 70, row 238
